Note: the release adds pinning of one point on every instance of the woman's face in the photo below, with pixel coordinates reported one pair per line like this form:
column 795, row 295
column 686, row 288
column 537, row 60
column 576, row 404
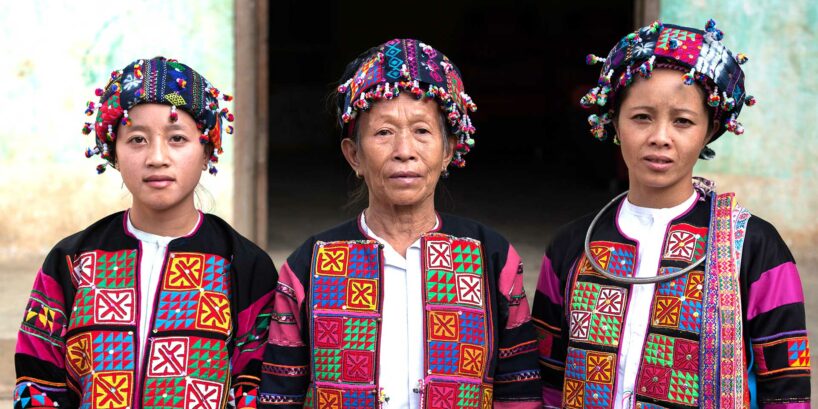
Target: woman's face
column 662, row 125
column 400, row 151
column 160, row 161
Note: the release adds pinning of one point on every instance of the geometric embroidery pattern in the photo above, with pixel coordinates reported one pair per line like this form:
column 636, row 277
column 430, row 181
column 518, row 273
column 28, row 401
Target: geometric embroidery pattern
column 112, row 390
column 113, row 351
column 469, row 289
column 208, row 359
column 44, row 317
column 589, row 377
column 439, row 255
column 443, row 325
column 468, row 396
column 472, row 359
column 345, row 318
column 685, row 242
column 440, row 286
column 114, row 269
column 185, row 271
column 677, row 303
column 358, row 399
column 441, row 395
column 670, row 370
column 688, row 45
column 214, row 312
column 443, row 357
column 472, row 328
column 168, row 357
column 615, row 258
column 596, row 313
column 164, row 392
column 467, row 256
column 176, row 310
column 201, row 394
column 78, row 354
column 798, row 353
column 114, row 306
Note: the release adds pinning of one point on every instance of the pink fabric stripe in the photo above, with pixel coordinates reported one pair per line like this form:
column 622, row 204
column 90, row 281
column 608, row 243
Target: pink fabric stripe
column 285, row 334
column 548, row 283
column 246, row 322
column 511, row 283
column 776, row 287
column 517, row 405
column 798, row 405
column 32, row 345
column 551, row 397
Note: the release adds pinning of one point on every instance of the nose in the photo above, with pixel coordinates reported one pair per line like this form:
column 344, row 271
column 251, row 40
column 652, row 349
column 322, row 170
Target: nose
column 157, row 153
column 404, row 146
column 661, row 135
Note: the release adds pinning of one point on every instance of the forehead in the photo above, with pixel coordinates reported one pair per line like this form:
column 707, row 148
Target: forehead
column 664, row 86
column 403, row 106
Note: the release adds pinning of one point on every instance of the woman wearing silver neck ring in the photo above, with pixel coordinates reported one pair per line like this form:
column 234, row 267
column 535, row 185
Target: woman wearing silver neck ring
column 403, row 307
column 671, row 296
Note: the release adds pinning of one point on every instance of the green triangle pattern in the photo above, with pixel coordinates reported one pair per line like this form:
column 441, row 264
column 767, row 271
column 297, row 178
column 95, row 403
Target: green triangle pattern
column 440, row 286
column 468, row 396
column 327, row 364
column 684, row 387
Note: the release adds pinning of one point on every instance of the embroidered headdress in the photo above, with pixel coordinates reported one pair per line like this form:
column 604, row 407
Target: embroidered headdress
column 699, row 53
column 159, row 81
column 408, row 65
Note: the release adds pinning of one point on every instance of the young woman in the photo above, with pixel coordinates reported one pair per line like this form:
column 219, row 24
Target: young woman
column 671, row 296
column 159, row 305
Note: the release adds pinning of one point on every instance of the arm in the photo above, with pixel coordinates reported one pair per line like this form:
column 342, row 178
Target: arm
column 285, row 371
column 517, row 378
column 549, row 321
column 254, row 298
column 775, row 320
column 40, row 356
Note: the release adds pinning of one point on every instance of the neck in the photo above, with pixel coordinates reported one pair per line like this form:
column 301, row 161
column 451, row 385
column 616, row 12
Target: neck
column 170, row 223
column 659, row 198
column 400, row 226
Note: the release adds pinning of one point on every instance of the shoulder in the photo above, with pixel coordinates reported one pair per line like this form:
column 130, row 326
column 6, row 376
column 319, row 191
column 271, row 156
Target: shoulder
column 107, row 234
column 570, row 237
column 464, row 227
column 348, row 230
column 763, row 243
column 219, row 232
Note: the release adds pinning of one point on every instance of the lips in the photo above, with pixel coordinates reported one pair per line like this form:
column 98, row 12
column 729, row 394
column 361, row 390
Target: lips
column 158, row 181
column 658, row 163
column 406, row 177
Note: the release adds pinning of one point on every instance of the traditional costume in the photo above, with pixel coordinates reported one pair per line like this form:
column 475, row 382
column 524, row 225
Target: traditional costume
column 121, row 318
column 699, row 305
column 358, row 325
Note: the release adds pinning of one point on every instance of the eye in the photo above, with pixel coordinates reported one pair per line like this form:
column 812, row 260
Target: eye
column 641, row 117
column 137, row 139
column 178, row 138
column 383, row 132
column 684, row 121
column 423, row 130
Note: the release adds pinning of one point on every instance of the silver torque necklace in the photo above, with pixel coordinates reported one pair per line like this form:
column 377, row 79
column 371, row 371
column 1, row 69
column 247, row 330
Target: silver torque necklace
column 628, row 280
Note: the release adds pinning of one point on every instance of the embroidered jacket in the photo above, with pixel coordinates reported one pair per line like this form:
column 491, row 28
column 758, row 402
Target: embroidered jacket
column 480, row 346
column 579, row 315
column 77, row 344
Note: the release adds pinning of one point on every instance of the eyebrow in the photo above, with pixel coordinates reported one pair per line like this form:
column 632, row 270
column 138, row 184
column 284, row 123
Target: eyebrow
column 650, row 108
column 142, row 128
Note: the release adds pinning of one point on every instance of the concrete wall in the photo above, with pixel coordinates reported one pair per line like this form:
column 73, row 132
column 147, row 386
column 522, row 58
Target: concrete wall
column 772, row 167
column 55, row 53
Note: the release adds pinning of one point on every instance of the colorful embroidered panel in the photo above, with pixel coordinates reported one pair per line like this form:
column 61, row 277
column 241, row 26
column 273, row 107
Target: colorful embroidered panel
column 106, row 292
column 194, row 294
column 589, row 378
column 615, row 258
column 677, row 304
column 457, row 395
column 596, row 314
column 345, row 323
column 669, row 371
column 685, row 243
column 689, row 45
column 457, row 343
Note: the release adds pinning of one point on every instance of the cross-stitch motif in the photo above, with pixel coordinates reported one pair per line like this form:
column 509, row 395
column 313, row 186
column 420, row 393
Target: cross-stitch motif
column 670, row 370
column 685, row 243
column 689, row 45
column 112, row 390
column 185, row 271
column 114, row 306
column 589, row 377
column 168, row 357
column 201, row 394
column 798, row 353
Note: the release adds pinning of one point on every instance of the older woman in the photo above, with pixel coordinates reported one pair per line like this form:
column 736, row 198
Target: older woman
column 672, row 296
column 402, row 307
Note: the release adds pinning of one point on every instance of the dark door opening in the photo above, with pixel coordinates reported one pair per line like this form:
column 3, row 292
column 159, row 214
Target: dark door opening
column 535, row 165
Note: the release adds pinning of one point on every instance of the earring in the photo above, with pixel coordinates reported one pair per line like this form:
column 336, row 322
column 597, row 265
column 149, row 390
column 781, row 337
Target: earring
column 357, row 174
column 616, row 140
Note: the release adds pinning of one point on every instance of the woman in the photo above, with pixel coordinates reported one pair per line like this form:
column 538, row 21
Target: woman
column 672, row 296
column 402, row 307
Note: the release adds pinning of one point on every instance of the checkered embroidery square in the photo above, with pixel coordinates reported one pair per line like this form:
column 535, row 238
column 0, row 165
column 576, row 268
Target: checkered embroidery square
column 589, row 378
column 615, row 258
column 669, row 371
column 596, row 313
column 677, row 303
column 453, row 270
column 685, row 243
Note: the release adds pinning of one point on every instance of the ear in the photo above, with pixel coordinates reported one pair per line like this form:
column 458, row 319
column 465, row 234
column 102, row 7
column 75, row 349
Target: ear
column 350, row 151
column 713, row 129
column 449, row 154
